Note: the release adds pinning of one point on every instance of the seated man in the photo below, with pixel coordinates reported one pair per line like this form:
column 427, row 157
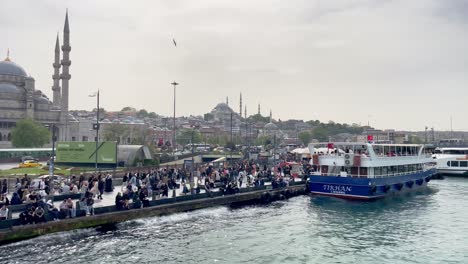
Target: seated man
column 64, row 210
column 39, row 215
column 3, row 213
column 71, row 207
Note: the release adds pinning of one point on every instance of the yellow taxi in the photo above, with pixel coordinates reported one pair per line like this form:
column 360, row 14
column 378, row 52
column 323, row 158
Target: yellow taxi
column 29, row 164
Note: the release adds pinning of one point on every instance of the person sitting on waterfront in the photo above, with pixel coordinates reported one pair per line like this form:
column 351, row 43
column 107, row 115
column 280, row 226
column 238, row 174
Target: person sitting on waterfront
column 83, row 207
column 65, row 190
column 89, row 206
column 143, row 196
column 39, row 215
column 4, row 199
column 71, row 207
column 126, row 200
column 15, row 199
column 30, row 214
column 73, row 188
column 52, row 210
column 3, row 212
column 119, row 201
column 64, row 210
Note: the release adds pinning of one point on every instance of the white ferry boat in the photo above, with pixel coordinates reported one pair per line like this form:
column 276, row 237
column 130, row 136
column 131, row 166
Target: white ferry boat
column 451, row 161
column 368, row 171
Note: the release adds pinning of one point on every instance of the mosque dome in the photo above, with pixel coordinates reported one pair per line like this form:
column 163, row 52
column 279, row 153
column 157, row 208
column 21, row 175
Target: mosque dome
column 223, row 107
column 270, row 126
column 8, row 67
column 9, row 88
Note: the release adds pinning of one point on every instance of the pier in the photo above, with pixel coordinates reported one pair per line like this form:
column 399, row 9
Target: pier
column 11, row 230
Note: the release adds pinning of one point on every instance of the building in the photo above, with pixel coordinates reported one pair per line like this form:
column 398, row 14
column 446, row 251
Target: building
column 19, row 98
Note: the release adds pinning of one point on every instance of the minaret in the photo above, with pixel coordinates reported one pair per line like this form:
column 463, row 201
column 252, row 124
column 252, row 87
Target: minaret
column 271, row 115
column 240, row 105
column 259, row 110
column 56, row 76
column 65, row 76
column 227, row 100
column 8, row 55
column 245, row 112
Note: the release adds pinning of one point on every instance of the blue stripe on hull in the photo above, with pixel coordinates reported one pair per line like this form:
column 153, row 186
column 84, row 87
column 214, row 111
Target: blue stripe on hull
column 367, row 188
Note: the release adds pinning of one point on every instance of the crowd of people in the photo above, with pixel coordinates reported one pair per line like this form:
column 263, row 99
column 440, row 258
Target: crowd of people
column 138, row 188
column 34, row 195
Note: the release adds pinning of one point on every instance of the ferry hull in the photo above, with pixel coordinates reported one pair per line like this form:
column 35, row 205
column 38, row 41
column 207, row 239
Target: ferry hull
column 368, row 188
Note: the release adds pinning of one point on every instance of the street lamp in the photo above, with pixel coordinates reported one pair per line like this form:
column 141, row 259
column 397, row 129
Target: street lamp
column 174, row 127
column 96, row 127
column 52, row 158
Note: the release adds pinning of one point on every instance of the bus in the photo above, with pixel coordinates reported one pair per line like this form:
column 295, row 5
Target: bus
column 16, row 154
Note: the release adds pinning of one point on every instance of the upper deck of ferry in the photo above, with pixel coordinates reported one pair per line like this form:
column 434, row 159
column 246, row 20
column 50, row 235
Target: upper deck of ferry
column 365, row 159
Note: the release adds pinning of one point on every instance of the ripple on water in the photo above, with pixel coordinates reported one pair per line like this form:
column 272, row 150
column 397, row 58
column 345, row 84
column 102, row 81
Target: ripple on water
column 428, row 227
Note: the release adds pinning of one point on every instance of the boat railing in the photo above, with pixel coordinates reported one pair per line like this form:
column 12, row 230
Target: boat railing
column 388, row 175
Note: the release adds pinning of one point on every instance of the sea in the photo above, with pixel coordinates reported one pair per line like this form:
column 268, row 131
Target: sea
column 425, row 227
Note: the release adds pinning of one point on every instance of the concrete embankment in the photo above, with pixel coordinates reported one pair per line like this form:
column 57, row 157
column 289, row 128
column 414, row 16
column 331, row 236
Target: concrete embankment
column 193, row 202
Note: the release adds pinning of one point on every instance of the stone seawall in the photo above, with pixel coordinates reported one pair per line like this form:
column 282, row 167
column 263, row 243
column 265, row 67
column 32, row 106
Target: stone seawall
column 21, row 232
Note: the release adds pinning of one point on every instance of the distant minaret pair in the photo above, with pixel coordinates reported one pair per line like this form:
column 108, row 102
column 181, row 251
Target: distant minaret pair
column 60, row 96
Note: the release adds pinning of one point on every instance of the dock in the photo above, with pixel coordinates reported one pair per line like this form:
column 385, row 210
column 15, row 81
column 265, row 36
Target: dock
column 11, row 231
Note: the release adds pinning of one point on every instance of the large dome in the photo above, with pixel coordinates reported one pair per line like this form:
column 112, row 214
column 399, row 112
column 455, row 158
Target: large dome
column 223, row 107
column 9, row 88
column 8, row 67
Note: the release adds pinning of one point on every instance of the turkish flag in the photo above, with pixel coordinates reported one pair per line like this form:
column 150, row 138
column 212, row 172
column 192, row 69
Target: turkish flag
column 370, row 137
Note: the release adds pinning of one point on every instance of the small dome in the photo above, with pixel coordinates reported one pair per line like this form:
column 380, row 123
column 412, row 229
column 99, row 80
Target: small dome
column 9, row 88
column 10, row 68
column 42, row 100
column 271, row 126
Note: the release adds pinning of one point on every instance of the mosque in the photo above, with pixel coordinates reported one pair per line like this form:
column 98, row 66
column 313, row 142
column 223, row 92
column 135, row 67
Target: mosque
column 20, row 99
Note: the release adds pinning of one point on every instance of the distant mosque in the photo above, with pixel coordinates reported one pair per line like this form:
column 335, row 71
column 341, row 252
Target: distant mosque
column 19, row 98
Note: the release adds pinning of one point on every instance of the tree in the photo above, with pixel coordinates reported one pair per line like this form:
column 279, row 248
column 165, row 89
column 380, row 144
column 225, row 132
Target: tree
column 114, row 132
column 142, row 113
column 128, row 108
column 305, row 137
column 185, row 136
column 29, row 134
column 321, row 134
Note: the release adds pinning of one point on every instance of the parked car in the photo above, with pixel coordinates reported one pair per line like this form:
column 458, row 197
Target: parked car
column 25, row 158
column 29, row 164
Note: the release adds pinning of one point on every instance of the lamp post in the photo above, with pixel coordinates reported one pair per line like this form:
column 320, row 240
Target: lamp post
column 173, row 125
column 52, row 159
column 96, row 127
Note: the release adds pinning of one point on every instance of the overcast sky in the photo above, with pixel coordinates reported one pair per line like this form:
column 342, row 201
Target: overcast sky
column 396, row 64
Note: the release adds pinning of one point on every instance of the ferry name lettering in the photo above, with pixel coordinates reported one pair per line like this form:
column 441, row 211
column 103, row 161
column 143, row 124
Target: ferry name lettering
column 337, row 188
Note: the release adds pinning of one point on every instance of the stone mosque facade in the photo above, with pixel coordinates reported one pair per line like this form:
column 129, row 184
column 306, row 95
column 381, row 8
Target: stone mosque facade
column 20, row 99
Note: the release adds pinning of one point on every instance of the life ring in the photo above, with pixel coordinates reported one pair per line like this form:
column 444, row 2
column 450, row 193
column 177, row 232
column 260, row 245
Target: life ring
column 347, row 156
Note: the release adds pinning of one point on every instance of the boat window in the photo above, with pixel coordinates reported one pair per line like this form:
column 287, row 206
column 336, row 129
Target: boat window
column 453, row 163
column 448, row 163
column 384, row 171
column 377, row 171
column 464, row 163
column 363, row 171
